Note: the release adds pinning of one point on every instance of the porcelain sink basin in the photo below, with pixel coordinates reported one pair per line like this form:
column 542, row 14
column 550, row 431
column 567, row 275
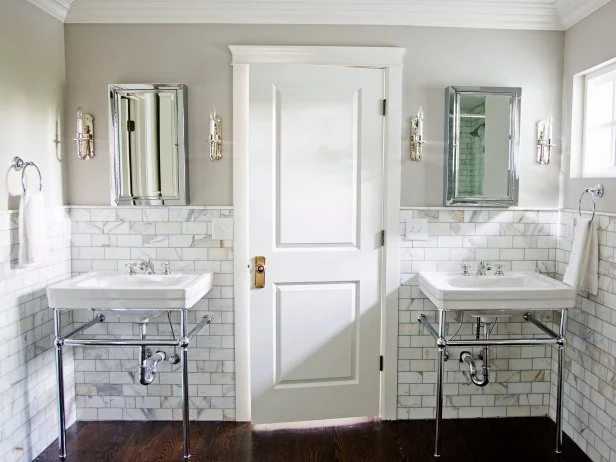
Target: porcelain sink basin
column 523, row 291
column 107, row 290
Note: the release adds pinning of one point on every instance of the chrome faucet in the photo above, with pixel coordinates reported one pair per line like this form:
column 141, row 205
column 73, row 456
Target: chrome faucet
column 499, row 270
column 147, row 266
column 482, row 267
column 465, row 269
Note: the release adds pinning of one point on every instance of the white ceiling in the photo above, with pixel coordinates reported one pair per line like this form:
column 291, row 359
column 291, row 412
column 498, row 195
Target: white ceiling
column 498, row 14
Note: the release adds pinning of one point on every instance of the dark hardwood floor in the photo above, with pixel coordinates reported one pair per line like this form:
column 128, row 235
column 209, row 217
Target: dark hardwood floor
column 476, row 440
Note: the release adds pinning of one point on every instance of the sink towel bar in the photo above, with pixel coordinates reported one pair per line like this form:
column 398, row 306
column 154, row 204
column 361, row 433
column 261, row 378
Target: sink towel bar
column 69, row 340
column 442, row 344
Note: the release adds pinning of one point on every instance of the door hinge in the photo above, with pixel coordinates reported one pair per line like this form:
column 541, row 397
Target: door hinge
column 384, row 107
column 381, row 363
column 382, row 238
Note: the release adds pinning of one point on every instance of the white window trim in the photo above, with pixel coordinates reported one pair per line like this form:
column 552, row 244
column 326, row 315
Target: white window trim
column 390, row 59
column 579, row 117
column 603, row 72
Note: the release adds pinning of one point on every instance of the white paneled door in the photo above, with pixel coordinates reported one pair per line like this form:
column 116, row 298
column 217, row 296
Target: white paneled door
column 316, row 198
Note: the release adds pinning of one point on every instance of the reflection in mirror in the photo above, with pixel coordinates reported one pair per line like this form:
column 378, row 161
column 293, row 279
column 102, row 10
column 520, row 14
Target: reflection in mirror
column 148, row 132
column 481, row 146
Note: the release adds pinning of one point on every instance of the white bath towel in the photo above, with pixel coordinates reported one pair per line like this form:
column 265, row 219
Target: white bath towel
column 33, row 245
column 583, row 269
column 590, row 283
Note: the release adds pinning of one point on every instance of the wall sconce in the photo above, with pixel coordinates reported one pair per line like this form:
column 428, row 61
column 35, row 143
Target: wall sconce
column 84, row 135
column 417, row 140
column 544, row 140
column 215, row 138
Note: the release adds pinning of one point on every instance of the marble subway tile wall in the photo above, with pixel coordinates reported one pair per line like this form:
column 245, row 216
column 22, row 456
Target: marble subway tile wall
column 27, row 366
column 106, row 379
column 590, row 362
column 520, row 376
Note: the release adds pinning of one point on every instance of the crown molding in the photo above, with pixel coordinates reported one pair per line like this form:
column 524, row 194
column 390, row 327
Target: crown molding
column 494, row 14
column 511, row 14
column 573, row 11
column 345, row 56
column 56, row 8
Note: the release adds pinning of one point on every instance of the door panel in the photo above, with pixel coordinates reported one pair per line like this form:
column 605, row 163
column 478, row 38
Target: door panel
column 316, row 141
column 308, row 167
column 316, row 333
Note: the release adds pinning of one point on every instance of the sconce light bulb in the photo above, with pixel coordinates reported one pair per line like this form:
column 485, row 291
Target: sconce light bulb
column 550, row 123
column 420, row 121
column 79, row 120
column 213, row 121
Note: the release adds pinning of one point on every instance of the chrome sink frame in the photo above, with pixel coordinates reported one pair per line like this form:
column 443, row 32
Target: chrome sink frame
column 68, row 340
column 442, row 344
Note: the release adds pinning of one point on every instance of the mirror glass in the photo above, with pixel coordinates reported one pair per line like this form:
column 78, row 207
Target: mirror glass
column 149, row 134
column 481, row 146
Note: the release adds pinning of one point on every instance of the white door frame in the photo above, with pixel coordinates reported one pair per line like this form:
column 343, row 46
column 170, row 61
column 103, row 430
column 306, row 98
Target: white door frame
column 390, row 59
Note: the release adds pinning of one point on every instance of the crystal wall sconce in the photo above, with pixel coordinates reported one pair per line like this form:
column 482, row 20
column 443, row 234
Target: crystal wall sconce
column 84, row 135
column 215, row 138
column 544, row 140
column 417, row 140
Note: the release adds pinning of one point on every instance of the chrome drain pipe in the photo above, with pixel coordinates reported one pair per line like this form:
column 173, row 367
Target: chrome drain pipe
column 144, row 355
column 467, row 358
column 148, row 363
column 149, row 368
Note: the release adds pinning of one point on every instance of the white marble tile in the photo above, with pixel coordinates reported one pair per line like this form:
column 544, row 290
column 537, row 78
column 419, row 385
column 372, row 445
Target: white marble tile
column 179, row 236
column 496, row 236
column 26, row 406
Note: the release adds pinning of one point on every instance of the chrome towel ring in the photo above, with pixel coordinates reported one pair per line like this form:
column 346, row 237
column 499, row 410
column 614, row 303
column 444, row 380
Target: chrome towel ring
column 595, row 192
column 20, row 165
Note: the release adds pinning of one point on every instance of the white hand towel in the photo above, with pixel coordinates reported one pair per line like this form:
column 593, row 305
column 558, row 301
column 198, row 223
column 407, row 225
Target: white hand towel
column 583, row 269
column 33, row 245
column 590, row 278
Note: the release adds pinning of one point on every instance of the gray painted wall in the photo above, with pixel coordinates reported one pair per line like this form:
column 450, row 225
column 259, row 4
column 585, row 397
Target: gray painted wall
column 31, row 97
column 589, row 43
column 198, row 56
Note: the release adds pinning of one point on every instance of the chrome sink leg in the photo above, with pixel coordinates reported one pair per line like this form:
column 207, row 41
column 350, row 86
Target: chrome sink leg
column 185, row 402
column 57, row 322
column 559, row 393
column 441, row 344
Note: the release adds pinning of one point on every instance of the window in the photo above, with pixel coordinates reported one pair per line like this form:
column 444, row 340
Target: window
column 599, row 132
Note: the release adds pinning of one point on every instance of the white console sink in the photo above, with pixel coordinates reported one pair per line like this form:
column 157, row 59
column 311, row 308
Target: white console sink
column 139, row 294
column 523, row 291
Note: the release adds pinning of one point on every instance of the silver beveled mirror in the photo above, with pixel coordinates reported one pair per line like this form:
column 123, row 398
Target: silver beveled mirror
column 149, row 135
column 481, row 146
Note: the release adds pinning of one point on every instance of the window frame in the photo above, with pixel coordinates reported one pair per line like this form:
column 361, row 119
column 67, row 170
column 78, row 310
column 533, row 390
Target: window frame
column 605, row 72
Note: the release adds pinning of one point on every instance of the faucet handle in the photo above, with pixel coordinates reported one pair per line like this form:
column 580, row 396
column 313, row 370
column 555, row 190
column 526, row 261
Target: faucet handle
column 465, row 268
column 166, row 268
column 131, row 268
column 499, row 270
